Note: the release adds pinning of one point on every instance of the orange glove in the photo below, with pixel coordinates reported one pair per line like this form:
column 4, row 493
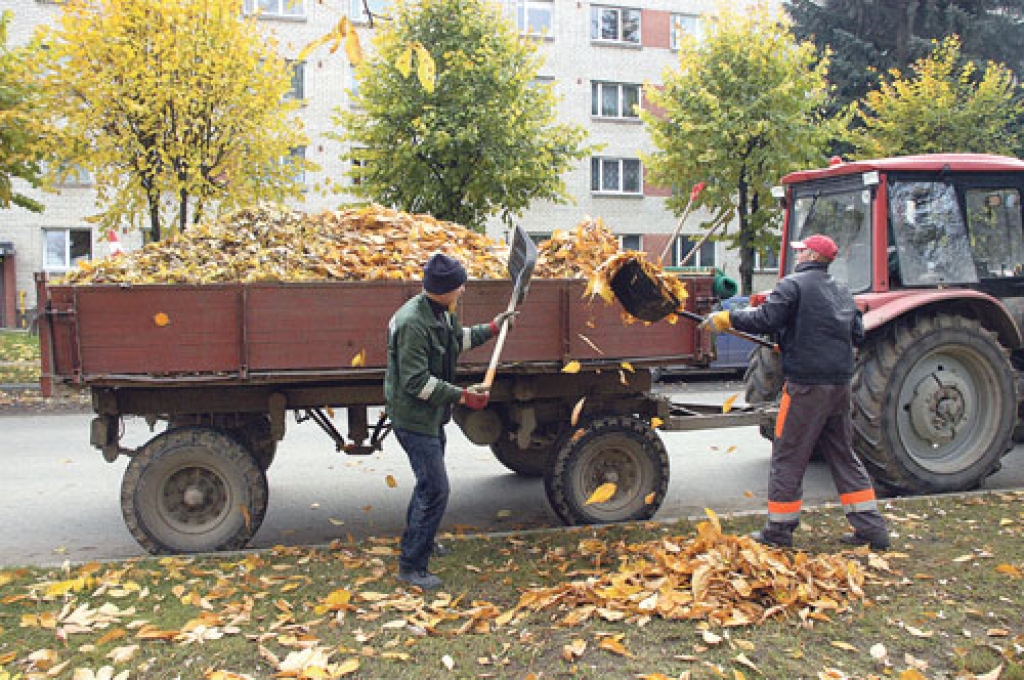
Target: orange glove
column 719, row 322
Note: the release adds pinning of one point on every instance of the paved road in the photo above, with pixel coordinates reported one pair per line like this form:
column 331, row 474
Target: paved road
column 60, row 500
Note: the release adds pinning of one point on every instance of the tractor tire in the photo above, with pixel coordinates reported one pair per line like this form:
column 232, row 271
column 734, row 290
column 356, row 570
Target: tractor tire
column 763, row 380
column 934, row 404
column 619, row 449
column 193, row 489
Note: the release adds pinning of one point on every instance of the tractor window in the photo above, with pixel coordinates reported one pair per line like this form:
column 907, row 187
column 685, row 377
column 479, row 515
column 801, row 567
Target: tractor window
column 845, row 216
column 994, row 224
column 931, row 239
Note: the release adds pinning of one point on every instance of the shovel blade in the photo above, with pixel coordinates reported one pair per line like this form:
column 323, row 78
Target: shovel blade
column 640, row 295
column 522, row 258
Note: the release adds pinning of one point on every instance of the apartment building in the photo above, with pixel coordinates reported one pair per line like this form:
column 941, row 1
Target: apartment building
column 599, row 58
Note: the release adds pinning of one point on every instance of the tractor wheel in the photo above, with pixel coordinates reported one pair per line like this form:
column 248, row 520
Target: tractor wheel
column 935, row 404
column 193, row 489
column 763, row 380
column 622, row 450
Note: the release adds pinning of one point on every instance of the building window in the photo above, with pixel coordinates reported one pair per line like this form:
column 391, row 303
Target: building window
column 704, row 257
column 296, row 159
column 65, row 248
column 298, row 84
column 630, row 242
column 358, row 164
column 682, row 25
column 377, row 9
column 533, row 17
column 76, row 176
column 615, row 175
column 276, row 8
column 767, row 261
column 615, row 100
column 615, row 24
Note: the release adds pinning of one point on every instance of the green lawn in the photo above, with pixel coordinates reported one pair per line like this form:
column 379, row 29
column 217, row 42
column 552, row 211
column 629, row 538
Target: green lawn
column 19, row 357
column 611, row 602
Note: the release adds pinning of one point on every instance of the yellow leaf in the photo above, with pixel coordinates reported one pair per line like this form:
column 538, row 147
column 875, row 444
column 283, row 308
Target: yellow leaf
column 628, row 366
column 912, row 674
column 839, row 644
column 657, row 422
column 359, row 360
column 713, row 517
column 576, row 410
column 426, row 70
column 404, row 62
column 1010, row 570
column 571, row 367
column 612, row 645
column 602, row 493
column 346, row 667
column 245, row 516
column 391, row 481
column 650, row 498
column 353, row 49
column 727, row 404
column 161, row 319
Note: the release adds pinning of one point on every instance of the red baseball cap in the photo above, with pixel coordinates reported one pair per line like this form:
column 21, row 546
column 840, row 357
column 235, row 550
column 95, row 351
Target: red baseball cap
column 820, row 244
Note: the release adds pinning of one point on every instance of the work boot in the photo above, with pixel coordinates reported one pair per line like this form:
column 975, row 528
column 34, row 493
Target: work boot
column 421, row 578
column 877, row 541
column 439, row 550
column 775, row 534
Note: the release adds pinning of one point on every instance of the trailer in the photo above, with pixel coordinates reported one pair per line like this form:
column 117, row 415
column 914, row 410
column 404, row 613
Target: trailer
column 221, row 366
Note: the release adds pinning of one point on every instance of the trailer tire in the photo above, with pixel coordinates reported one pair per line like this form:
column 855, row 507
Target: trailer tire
column 621, row 449
column 934, row 404
column 763, row 380
column 193, row 489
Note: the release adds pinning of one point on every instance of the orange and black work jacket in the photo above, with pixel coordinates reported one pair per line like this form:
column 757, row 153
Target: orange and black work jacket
column 423, row 348
column 817, row 322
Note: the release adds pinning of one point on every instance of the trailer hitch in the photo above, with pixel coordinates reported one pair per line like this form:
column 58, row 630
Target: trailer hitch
column 357, row 429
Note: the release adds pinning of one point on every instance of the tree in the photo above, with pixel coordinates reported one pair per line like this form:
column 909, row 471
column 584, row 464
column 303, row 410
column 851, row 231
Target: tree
column 476, row 138
column 944, row 106
column 869, row 38
column 742, row 109
column 18, row 147
column 177, row 106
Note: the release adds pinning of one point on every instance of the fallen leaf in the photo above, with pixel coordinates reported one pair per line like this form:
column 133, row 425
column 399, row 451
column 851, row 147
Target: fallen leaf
column 1010, row 570
column 448, row 662
column 611, row 644
column 839, row 644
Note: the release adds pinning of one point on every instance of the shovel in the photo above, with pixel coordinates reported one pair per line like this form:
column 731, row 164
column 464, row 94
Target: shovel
column 522, row 258
column 641, row 295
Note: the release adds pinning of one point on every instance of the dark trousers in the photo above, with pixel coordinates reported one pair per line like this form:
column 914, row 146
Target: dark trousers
column 818, row 417
column 429, row 497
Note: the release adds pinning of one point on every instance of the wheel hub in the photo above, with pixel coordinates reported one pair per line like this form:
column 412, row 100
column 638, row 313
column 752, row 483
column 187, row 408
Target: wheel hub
column 939, row 406
column 194, row 496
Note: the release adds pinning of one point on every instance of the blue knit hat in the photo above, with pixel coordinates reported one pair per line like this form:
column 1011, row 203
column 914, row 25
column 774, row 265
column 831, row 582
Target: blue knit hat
column 443, row 274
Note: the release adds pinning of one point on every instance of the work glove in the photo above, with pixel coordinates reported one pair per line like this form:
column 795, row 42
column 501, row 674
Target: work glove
column 476, row 397
column 502, row 318
column 719, row 322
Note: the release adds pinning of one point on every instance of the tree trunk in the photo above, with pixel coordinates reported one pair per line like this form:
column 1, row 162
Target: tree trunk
column 746, row 251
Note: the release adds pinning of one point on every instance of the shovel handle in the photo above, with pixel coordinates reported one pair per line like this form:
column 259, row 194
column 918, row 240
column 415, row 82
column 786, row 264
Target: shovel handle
column 732, row 331
column 492, row 367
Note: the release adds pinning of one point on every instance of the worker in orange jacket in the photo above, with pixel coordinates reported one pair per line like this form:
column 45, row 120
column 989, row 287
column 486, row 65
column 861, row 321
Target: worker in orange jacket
column 818, row 325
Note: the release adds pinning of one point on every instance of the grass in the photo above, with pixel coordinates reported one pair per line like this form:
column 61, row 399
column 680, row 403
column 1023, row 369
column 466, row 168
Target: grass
column 944, row 602
column 19, row 357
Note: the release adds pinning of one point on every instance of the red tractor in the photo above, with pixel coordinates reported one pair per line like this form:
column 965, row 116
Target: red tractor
column 932, row 248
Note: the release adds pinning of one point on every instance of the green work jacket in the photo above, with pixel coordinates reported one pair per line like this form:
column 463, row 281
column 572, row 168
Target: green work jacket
column 422, row 352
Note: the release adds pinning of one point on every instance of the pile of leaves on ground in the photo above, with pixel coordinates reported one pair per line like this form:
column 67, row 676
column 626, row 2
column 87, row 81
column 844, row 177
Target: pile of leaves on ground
column 272, row 243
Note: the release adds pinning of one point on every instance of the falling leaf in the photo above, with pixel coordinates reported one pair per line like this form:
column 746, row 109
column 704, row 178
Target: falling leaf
column 628, row 366
column 353, row 49
column 602, row 494
column 391, row 482
column 748, row 494
column 161, row 319
column 727, row 404
column 576, row 410
column 650, row 498
column 571, row 367
column 359, row 360
column 657, row 422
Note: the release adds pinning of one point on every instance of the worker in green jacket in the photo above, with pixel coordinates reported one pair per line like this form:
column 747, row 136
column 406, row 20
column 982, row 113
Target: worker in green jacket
column 425, row 339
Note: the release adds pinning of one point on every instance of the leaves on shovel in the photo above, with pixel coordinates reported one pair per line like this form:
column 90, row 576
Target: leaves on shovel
column 602, row 494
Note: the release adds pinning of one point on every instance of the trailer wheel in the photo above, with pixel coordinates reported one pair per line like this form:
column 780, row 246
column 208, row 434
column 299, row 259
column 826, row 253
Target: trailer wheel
column 763, row 380
column 193, row 489
column 255, row 434
column 934, row 405
column 620, row 449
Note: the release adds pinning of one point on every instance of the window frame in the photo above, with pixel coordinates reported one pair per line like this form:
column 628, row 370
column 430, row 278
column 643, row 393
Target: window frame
column 639, row 242
column 599, row 163
column 678, row 252
column 70, row 262
column 281, row 11
column 597, row 88
column 298, row 69
column 596, row 24
column 520, row 11
column 358, row 15
column 675, row 20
